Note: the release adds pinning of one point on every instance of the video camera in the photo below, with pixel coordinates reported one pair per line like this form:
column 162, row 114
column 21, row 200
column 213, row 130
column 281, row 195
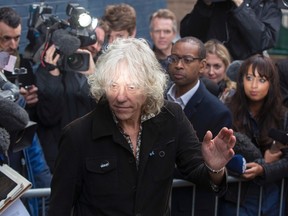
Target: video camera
column 67, row 35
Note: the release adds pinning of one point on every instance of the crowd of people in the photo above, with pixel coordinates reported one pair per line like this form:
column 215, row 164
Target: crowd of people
column 111, row 139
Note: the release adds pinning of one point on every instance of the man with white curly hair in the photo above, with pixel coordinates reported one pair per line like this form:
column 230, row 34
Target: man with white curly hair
column 119, row 159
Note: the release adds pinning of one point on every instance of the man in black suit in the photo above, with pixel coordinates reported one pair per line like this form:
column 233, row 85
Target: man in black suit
column 204, row 110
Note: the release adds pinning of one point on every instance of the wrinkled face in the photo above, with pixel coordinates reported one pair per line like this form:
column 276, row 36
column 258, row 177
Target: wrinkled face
column 256, row 88
column 185, row 72
column 162, row 33
column 9, row 38
column 96, row 47
column 119, row 34
column 125, row 98
column 215, row 68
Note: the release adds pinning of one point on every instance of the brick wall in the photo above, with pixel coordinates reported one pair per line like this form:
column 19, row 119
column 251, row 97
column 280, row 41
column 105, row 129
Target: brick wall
column 96, row 7
column 180, row 8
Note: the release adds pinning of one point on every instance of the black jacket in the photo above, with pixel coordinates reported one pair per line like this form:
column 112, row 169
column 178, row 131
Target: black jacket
column 96, row 170
column 249, row 29
column 62, row 99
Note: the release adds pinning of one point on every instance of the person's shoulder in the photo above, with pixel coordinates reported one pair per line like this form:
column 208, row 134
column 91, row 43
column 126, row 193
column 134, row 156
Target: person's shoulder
column 169, row 105
column 80, row 123
column 171, row 108
column 215, row 102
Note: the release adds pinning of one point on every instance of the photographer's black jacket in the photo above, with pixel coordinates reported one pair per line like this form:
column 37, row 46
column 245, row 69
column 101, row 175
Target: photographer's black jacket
column 62, row 99
column 249, row 29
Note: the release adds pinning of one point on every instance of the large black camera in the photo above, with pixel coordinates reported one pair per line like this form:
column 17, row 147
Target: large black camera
column 67, row 35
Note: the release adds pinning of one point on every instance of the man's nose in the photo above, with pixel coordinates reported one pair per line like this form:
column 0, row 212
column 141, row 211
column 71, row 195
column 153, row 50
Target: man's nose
column 122, row 93
column 13, row 43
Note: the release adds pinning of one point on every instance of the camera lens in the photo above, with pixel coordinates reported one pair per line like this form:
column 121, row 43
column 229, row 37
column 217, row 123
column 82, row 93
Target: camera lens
column 75, row 61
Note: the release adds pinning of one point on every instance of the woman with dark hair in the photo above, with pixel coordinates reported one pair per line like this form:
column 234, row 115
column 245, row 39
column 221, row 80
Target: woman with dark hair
column 256, row 108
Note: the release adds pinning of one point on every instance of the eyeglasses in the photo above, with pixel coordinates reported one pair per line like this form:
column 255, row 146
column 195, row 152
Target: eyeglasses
column 174, row 59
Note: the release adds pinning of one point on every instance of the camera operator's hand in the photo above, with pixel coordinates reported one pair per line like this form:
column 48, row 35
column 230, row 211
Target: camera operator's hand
column 52, row 58
column 91, row 63
column 30, row 94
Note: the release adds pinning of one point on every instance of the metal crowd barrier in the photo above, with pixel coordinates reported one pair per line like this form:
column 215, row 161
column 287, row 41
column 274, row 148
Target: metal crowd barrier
column 45, row 192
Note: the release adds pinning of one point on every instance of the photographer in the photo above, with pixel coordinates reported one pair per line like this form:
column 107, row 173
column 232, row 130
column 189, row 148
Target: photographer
column 10, row 32
column 30, row 161
column 245, row 27
column 63, row 97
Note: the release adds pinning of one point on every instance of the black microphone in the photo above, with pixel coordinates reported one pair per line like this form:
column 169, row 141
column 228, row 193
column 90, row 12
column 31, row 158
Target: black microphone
column 4, row 145
column 13, row 117
column 65, row 42
column 278, row 135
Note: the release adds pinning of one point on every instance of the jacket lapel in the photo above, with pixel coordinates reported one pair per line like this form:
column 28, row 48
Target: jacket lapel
column 195, row 100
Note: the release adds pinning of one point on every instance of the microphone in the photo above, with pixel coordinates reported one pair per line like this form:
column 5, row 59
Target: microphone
column 278, row 135
column 65, row 42
column 13, row 117
column 237, row 165
column 4, row 145
column 9, row 90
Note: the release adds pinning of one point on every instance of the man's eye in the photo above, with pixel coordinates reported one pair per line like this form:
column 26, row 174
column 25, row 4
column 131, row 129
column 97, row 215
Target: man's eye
column 188, row 60
column 132, row 87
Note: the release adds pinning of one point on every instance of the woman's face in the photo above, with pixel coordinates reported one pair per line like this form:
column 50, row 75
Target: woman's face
column 215, row 68
column 256, row 88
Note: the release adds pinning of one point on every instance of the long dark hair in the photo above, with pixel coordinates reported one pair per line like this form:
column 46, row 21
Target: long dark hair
column 272, row 110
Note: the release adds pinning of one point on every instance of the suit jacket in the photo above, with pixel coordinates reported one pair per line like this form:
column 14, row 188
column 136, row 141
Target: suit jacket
column 207, row 112
column 96, row 170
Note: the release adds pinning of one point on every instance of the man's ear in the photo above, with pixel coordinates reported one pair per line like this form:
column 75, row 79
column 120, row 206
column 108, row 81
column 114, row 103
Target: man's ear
column 133, row 35
column 202, row 66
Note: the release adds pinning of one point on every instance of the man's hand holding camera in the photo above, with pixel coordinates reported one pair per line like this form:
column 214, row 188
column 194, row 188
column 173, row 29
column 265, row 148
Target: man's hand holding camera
column 52, row 57
column 30, row 94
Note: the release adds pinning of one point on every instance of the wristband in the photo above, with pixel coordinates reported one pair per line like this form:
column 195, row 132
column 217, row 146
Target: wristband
column 214, row 171
column 50, row 67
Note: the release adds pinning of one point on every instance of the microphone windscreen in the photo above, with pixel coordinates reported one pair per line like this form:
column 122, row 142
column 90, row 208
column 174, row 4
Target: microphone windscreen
column 65, row 42
column 13, row 117
column 4, row 141
column 237, row 165
column 232, row 70
column 278, row 135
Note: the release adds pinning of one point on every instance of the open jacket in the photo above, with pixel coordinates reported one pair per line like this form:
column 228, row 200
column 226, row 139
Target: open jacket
column 96, row 170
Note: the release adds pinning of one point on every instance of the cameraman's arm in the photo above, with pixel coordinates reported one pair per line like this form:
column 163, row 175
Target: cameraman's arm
column 258, row 20
column 50, row 91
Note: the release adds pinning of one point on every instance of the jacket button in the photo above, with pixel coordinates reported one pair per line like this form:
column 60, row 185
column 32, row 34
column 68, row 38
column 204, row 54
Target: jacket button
column 162, row 154
column 131, row 160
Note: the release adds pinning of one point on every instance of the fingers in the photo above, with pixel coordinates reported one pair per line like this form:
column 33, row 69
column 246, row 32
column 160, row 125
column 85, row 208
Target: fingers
column 208, row 137
column 31, row 96
column 50, row 57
